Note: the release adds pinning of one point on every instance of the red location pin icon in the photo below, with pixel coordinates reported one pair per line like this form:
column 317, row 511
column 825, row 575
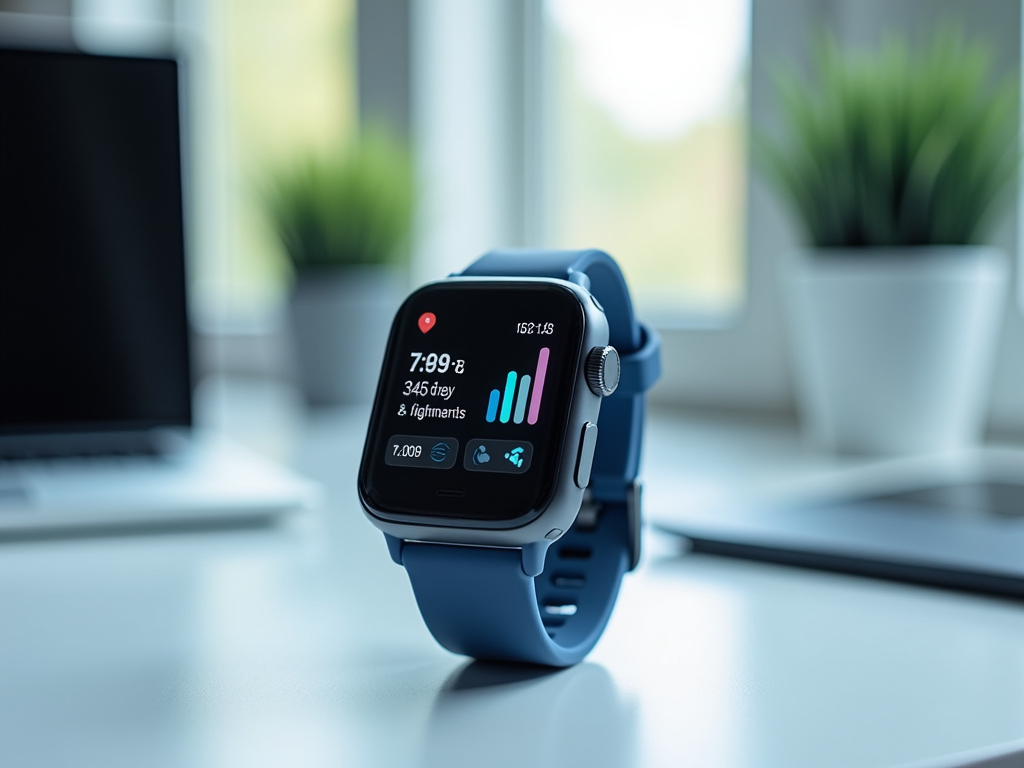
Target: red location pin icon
column 427, row 321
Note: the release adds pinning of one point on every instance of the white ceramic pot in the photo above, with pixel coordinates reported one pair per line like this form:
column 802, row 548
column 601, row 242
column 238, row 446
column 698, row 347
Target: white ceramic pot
column 340, row 321
column 893, row 348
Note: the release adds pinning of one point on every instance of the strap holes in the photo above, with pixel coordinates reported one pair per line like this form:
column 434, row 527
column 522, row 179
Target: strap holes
column 574, row 553
column 560, row 609
column 570, row 580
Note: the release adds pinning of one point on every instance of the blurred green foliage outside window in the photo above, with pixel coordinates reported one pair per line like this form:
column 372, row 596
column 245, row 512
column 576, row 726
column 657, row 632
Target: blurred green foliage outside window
column 287, row 80
column 647, row 143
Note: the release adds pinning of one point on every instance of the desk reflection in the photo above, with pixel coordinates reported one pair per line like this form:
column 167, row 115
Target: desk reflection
column 505, row 715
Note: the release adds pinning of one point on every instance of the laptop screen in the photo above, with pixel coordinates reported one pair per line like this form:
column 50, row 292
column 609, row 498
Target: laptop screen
column 93, row 325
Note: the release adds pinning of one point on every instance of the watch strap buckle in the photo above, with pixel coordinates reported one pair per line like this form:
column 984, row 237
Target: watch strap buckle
column 634, row 521
column 591, row 510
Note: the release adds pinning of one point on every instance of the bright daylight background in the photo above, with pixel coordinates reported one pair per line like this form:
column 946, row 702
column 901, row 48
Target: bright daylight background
column 648, row 145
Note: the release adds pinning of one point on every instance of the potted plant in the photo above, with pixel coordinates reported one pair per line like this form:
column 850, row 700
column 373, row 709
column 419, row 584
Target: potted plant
column 896, row 164
column 344, row 220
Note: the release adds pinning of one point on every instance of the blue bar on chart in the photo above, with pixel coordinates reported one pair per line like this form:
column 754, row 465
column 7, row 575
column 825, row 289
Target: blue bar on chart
column 492, row 405
column 524, row 388
column 506, row 401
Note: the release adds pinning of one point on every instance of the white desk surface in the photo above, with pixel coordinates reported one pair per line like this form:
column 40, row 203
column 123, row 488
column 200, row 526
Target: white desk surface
column 300, row 644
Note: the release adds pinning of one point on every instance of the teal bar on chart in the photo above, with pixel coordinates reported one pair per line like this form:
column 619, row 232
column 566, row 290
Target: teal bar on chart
column 506, row 401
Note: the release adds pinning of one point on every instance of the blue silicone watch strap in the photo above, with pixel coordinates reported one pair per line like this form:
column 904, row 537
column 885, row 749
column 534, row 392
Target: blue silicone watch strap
column 479, row 601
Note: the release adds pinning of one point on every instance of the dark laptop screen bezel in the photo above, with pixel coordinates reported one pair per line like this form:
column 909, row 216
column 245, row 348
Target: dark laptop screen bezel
column 137, row 431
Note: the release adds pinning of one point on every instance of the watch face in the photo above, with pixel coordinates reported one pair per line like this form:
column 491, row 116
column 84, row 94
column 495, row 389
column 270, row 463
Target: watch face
column 473, row 401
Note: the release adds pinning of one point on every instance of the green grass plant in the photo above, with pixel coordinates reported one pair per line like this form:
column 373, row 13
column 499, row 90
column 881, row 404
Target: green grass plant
column 352, row 207
column 895, row 146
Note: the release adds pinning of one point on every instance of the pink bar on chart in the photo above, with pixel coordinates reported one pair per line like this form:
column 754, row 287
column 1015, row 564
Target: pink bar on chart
column 538, row 385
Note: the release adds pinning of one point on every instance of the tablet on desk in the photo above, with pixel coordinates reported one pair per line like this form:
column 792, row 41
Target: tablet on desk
column 952, row 521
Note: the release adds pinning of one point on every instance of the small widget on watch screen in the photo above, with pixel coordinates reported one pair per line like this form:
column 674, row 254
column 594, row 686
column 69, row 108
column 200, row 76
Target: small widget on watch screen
column 520, row 397
column 432, row 398
column 506, row 456
column 421, row 451
column 427, row 322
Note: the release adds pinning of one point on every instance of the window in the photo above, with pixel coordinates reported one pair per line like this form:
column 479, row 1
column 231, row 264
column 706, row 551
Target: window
column 284, row 86
column 647, row 143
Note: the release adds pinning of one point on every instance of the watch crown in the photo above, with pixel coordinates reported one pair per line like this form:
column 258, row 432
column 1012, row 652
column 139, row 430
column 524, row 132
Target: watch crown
column 602, row 370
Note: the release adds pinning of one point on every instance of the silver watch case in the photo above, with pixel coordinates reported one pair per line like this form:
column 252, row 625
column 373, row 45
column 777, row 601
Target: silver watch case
column 560, row 513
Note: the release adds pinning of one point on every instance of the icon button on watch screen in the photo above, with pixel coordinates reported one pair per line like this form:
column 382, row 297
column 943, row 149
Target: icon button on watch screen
column 506, row 456
column 421, row 451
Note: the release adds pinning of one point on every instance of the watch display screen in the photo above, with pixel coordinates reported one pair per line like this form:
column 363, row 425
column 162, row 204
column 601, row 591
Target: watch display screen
column 472, row 405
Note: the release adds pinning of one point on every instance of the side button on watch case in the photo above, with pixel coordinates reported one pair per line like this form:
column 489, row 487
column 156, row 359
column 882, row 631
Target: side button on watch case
column 585, row 456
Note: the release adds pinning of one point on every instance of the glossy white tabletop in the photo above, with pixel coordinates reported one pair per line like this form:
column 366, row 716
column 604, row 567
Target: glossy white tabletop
column 300, row 645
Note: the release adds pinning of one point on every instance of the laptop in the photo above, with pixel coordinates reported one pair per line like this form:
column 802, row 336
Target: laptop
column 96, row 421
column 954, row 520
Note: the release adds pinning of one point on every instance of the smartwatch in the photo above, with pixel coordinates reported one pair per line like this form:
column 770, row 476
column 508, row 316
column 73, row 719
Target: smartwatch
column 502, row 452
